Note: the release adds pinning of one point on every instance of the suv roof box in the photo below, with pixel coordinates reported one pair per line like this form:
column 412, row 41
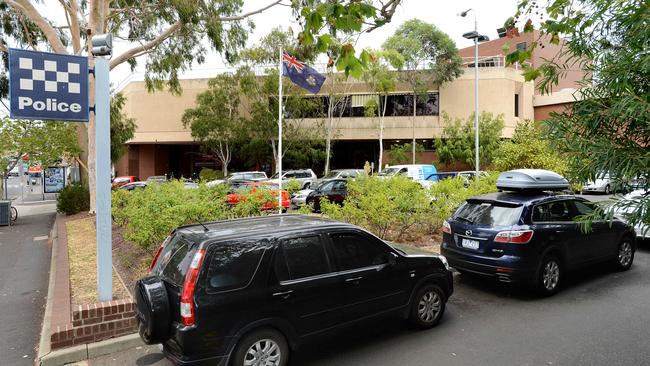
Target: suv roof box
column 531, row 180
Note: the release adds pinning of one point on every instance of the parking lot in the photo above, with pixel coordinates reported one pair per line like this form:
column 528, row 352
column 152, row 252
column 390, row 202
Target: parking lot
column 599, row 318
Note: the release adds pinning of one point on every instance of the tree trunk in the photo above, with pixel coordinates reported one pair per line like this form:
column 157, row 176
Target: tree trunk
column 2, row 186
column 95, row 25
column 382, row 113
column 413, row 125
column 328, row 142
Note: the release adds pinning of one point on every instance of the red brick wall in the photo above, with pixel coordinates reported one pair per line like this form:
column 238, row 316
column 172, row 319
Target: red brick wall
column 96, row 322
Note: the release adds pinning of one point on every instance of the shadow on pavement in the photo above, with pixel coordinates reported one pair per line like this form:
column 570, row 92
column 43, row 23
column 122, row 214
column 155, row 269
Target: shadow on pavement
column 149, row 359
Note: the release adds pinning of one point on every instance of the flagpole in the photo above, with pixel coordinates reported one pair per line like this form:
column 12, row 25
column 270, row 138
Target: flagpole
column 280, row 132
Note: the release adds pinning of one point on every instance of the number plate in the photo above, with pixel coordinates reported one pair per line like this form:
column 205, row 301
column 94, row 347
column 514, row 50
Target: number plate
column 470, row 244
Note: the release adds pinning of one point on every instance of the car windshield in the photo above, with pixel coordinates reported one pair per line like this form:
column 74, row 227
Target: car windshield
column 486, row 213
column 122, row 179
column 332, row 174
column 389, row 171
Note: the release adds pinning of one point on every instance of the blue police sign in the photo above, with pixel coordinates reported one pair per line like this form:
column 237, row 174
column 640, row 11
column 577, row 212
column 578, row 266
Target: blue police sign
column 48, row 86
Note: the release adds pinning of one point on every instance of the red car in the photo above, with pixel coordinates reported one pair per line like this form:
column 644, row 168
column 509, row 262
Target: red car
column 122, row 180
column 242, row 192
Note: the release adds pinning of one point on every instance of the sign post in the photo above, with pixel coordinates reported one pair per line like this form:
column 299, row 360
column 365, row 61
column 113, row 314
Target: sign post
column 103, row 180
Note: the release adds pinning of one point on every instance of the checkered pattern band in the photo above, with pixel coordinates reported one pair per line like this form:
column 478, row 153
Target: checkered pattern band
column 54, row 76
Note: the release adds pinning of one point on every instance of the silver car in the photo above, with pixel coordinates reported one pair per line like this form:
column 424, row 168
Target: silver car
column 628, row 204
column 306, row 177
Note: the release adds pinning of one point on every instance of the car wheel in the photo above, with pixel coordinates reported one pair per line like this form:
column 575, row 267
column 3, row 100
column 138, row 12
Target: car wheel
column 607, row 189
column 549, row 276
column 427, row 306
column 306, row 186
column 625, row 254
column 264, row 347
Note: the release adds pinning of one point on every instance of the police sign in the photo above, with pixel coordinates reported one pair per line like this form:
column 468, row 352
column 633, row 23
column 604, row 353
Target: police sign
column 48, row 86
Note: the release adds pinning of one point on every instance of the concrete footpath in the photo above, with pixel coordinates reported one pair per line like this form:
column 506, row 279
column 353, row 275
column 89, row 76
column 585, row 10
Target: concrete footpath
column 24, row 269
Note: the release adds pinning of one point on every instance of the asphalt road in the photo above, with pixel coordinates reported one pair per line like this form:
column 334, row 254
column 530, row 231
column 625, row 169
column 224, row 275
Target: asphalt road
column 600, row 317
column 24, row 272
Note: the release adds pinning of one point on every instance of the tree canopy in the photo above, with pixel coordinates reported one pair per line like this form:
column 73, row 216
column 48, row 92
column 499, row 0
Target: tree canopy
column 606, row 129
column 122, row 127
column 458, row 139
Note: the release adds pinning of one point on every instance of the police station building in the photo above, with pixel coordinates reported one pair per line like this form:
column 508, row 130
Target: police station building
column 162, row 145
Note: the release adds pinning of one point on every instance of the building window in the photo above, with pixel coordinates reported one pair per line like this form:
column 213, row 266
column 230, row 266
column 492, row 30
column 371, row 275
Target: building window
column 516, row 105
column 521, row 46
column 397, row 105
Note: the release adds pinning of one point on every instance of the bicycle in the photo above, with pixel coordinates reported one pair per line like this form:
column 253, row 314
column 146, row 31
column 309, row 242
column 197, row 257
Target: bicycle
column 14, row 215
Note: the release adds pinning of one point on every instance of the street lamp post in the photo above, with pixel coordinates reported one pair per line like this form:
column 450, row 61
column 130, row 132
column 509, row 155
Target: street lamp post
column 474, row 35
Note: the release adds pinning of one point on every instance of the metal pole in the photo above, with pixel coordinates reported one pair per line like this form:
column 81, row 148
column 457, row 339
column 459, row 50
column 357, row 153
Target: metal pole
column 476, row 146
column 103, row 178
column 280, row 132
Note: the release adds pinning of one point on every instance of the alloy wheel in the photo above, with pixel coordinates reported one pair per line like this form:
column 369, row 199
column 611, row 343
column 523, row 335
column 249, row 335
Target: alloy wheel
column 264, row 352
column 625, row 254
column 429, row 306
column 551, row 275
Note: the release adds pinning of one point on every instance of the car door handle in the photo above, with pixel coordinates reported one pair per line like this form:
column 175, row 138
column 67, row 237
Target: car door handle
column 353, row 279
column 284, row 294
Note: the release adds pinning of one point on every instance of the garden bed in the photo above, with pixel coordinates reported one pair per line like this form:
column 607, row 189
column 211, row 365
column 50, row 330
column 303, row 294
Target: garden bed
column 82, row 252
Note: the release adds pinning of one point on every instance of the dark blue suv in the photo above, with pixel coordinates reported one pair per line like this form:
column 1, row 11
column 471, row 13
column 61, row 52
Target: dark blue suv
column 532, row 238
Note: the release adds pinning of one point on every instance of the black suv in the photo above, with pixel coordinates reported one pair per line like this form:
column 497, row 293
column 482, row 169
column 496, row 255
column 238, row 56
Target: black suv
column 247, row 291
column 532, row 238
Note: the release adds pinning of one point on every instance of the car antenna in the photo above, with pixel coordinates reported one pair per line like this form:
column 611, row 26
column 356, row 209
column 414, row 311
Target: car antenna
column 205, row 228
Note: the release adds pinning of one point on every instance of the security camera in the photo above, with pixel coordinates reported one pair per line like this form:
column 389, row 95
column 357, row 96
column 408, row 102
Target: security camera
column 102, row 44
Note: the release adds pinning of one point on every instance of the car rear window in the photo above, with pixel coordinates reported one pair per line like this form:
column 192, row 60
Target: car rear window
column 174, row 260
column 486, row 213
column 232, row 265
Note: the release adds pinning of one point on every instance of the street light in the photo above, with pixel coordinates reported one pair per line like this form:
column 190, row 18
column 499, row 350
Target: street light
column 477, row 38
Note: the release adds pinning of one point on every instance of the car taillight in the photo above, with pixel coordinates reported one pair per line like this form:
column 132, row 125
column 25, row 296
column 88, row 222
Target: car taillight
column 187, row 296
column 515, row 236
column 155, row 257
column 446, row 228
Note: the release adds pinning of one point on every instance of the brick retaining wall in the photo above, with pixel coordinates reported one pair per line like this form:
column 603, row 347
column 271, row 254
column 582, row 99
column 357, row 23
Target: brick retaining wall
column 85, row 323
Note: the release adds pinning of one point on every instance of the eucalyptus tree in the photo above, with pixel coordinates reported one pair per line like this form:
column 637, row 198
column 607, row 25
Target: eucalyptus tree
column 173, row 35
column 216, row 121
column 380, row 78
column 606, row 129
column 430, row 58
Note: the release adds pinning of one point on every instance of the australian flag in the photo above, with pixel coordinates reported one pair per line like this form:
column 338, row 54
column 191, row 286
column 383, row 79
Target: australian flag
column 302, row 74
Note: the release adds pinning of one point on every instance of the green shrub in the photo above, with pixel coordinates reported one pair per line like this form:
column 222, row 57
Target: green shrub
column 149, row 215
column 208, row 174
column 73, row 199
column 260, row 202
column 387, row 207
column 448, row 194
column 293, row 186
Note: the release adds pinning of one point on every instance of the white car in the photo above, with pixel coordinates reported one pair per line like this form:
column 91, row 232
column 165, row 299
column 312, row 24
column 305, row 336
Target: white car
column 604, row 183
column 299, row 198
column 417, row 172
column 252, row 176
column 628, row 204
column 306, row 177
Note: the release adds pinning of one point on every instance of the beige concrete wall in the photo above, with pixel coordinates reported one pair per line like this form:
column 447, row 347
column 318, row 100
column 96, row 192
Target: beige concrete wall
column 158, row 114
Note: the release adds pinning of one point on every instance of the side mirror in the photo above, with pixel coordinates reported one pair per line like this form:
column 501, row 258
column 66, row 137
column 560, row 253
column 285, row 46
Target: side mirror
column 392, row 259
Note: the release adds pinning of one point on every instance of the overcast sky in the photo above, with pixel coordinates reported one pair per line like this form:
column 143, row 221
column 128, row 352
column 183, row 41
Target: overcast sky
column 444, row 14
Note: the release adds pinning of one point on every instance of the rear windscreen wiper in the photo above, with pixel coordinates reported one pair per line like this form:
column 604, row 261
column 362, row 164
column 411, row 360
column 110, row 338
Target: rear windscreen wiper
column 461, row 218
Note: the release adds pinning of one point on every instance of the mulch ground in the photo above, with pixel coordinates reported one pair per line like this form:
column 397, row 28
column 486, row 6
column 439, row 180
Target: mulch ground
column 131, row 261
column 82, row 253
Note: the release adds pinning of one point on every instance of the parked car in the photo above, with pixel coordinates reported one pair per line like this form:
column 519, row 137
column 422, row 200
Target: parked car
column 306, row 177
column 343, row 173
column 532, row 237
column 334, row 190
column 251, row 291
column 124, row 179
column 604, row 183
column 435, row 178
column 14, row 172
column 252, row 176
column 416, row 172
column 299, row 198
column 630, row 203
column 134, row 186
column 157, row 178
column 240, row 193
